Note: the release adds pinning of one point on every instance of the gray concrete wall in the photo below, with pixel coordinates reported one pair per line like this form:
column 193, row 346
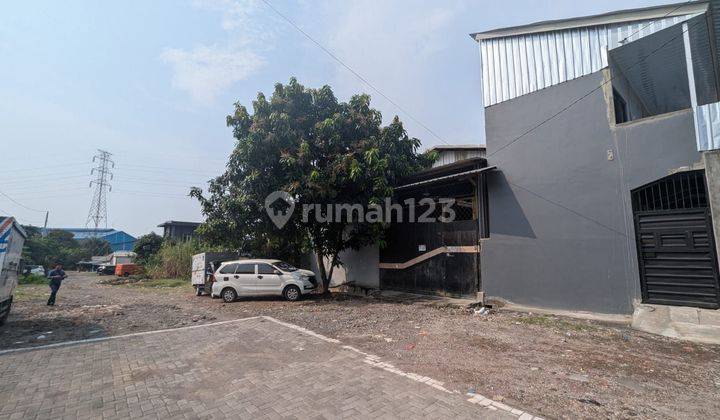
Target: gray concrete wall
column 561, row 232
column 712, row 177
column 359, row 267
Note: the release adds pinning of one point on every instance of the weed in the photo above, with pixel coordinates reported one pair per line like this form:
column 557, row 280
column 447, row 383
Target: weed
column 552, row 322
column 32, row 279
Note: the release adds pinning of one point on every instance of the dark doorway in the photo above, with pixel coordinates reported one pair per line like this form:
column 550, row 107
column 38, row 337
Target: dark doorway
column 675, row 243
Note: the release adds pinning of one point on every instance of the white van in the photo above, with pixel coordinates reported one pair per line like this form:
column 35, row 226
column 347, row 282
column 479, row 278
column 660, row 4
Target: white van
column 261, row 277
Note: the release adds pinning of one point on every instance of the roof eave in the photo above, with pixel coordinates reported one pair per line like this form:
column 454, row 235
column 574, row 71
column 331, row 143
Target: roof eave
column 645, row 13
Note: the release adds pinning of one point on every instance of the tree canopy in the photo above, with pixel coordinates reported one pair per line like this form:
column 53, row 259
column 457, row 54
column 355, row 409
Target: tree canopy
column 60, row 246
column 318, row 150
column 146, row 246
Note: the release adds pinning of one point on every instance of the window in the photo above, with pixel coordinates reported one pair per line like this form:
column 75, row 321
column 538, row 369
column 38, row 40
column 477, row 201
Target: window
column 285, row 266
column 245, row 269
column 621, row 109
column 228, row 269
column 266, row 269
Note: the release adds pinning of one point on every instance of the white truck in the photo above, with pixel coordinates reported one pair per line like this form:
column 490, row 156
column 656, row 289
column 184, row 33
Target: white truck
column 203, row 267
column 12, row 239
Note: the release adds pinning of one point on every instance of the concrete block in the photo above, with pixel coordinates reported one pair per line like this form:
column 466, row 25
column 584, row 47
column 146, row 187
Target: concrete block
column 683, row 314
column 709, row 317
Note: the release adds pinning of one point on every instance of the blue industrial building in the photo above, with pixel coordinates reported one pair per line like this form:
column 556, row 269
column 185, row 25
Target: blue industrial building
column 119, row 240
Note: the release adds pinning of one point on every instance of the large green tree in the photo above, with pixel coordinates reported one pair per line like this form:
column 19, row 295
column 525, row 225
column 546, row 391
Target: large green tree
column 147, row 246
column 319, row 151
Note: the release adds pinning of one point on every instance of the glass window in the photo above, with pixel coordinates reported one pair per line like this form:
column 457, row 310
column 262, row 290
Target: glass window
column 621, row 108
column 228, row 269
column 285, row 266
column 245, row 269
column 266, row 269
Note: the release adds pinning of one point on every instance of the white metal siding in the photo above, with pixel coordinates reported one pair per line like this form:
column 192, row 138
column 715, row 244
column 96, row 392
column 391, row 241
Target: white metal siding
column 517, row 65
column 447, row 157
column 708, row 121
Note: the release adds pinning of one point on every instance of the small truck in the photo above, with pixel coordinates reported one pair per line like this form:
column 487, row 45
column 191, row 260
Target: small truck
column 12, row 239
column 204, row 266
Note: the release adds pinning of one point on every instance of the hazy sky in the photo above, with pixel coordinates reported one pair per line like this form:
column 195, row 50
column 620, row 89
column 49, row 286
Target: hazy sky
column 152, row 82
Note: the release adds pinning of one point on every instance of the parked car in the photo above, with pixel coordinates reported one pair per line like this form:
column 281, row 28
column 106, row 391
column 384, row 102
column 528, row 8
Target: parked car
column 261, row 277
column 105, row 269
column 124, row 270
column 37, row 270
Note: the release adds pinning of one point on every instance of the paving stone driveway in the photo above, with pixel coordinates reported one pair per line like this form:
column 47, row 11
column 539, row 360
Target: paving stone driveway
column 252, row 368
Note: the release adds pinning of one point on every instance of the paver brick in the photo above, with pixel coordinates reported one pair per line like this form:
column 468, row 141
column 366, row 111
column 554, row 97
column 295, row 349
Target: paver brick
column 247, row 369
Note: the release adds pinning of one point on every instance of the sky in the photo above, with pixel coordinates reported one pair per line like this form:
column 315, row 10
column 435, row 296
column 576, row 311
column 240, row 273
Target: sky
column 152, row 81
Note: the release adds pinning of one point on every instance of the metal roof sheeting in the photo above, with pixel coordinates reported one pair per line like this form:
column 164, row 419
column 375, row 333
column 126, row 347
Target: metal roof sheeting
column 708, row 119
column 517, row 65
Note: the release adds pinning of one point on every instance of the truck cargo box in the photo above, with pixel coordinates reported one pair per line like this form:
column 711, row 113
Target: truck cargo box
column 12, row 239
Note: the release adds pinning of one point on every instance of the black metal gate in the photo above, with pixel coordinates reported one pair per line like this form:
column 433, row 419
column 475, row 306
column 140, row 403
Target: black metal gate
column 676, row 249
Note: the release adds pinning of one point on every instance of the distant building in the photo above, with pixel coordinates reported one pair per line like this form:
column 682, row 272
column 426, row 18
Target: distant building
column 118, row 240
column 178, row 231
column 450, row 153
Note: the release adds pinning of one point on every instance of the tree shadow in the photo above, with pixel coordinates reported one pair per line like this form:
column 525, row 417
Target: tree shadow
column 20, row 331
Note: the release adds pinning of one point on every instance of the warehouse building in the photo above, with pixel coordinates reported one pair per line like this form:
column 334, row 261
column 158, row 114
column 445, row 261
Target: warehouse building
column 605, row 133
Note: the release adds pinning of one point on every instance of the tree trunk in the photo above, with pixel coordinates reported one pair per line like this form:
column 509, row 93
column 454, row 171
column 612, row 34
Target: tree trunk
column 323, row 274
column 333, row 261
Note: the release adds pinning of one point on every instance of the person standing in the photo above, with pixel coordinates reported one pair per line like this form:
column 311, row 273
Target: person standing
column 56, row 277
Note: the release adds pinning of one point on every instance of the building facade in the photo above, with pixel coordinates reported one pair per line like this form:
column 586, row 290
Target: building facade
column 603, row 130
column 179, row 231
column 118, row 240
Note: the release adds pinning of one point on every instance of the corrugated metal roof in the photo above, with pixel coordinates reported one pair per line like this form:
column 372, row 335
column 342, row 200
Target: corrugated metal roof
column 609, row 18
column 518, row 65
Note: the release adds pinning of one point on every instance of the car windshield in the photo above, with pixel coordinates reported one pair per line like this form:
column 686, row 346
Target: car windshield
column 282, row 265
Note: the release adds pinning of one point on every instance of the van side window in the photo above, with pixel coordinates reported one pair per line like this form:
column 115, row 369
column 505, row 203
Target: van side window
column 245, row 269
column 228, row 269
column 266, row 269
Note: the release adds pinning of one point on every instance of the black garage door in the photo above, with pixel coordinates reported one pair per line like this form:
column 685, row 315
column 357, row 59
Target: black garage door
column 676, row 250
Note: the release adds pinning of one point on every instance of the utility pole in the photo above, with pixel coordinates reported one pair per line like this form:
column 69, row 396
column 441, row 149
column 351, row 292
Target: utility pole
column 98, row 207
column 44, row 231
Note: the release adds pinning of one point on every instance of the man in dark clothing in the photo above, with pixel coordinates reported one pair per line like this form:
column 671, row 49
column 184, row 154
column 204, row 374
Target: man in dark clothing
column 56, row 277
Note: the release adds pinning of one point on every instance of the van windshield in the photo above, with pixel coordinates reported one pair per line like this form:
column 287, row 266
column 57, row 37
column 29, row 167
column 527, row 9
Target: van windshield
column 282, row 265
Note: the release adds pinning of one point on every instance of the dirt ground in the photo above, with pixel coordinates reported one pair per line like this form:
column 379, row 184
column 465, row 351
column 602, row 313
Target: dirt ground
column 552, row 366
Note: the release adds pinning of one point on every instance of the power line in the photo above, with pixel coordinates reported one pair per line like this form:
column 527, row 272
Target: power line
column 652, row 22
column 151, row 194
column 30, row 180
column 573, row 103
column 351, row 70
column 164, row 168
column 45, row 167
column 570, row 105
column 21, row 204
column 575, row 212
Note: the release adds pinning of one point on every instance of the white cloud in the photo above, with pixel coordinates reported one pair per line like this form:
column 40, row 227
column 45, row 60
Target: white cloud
column 206, row 70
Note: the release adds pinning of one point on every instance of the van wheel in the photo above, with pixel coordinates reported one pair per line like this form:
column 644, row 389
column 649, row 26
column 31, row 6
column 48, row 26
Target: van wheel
column 291, row 293
column 229, row 295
